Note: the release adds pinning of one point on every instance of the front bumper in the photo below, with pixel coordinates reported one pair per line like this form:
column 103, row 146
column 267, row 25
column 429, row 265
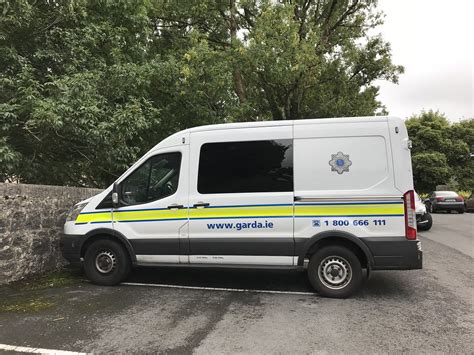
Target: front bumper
column 71, row 245
column 395, row 253
column 421, row 218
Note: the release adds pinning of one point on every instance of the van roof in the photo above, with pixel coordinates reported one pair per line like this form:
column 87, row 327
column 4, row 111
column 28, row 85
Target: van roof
column 285, row 123
column 176, row 138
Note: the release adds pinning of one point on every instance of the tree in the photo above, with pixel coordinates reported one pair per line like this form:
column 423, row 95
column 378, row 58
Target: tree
column 294, row 59
column 430, row 169
column 83, row 91
column 441, row 151
column 87, row 86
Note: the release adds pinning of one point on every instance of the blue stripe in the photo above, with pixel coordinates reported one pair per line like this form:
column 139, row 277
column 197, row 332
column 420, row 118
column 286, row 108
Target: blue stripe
column 78, row 223
column 143, row 210
column 261, row 205
column 197, row 218
column 239, row 217
column 94, row 212
column 137, row 210
column 151, row 220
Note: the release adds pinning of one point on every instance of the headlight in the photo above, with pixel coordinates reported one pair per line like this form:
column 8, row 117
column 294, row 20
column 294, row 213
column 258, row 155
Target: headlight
column 74, row 211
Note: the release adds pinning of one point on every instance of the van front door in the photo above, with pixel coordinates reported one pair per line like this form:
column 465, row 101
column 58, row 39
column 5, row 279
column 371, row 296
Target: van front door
column 153, row 206
column 241, row 196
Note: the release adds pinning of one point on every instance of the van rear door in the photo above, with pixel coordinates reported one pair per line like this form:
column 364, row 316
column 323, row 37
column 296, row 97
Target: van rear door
column 401, row 153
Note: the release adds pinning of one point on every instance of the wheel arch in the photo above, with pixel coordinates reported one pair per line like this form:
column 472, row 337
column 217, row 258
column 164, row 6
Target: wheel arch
column 108, row 233
column 336, row 238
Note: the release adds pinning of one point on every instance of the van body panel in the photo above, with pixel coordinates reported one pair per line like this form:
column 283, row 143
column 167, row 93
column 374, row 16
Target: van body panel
column 91, row 219
column 348, row 176
column 362, row 200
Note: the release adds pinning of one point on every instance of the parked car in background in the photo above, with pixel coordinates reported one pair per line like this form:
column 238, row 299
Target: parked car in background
column 424, row 221
column 444, row 201
column 469, row 203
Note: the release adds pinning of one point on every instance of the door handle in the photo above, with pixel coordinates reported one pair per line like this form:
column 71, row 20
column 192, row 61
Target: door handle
column 175, row 206
column 201, row 204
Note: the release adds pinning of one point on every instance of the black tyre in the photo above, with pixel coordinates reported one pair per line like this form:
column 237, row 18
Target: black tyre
column 335, row 271
column 461, row 211
column 106, row 262
column 429, row 222
column 430, row 208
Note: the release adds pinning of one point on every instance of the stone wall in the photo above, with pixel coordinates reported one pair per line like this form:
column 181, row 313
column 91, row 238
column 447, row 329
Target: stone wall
column 31, row 220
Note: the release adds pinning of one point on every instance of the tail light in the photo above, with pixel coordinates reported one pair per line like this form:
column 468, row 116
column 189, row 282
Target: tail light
column 459, row 199
column 410, row 215
column 440, row 199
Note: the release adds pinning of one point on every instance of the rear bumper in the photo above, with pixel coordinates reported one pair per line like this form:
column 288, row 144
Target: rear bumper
column 395, row 253
column 71, row 245
column 449, row 205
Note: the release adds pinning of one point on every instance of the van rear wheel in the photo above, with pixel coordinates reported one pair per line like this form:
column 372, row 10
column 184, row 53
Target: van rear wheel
column 335, row 271
column 106, row 262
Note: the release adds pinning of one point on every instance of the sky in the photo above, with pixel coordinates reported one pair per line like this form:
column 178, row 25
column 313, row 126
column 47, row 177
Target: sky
column 434, row 41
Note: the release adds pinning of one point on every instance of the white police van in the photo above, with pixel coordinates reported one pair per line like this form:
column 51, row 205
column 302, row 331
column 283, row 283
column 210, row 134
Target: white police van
column 337, row 193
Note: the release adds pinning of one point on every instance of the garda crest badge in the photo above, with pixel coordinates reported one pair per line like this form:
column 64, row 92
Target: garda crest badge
column 340, row 162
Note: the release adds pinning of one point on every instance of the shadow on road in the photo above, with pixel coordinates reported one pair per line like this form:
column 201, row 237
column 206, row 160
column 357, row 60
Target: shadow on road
column 252, row 279
column 386, row 284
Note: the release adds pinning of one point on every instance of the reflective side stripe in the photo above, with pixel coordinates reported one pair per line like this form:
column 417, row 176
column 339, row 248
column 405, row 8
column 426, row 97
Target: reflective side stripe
column 93, row 217
column 256, row 211
column 241, row 212
column 168, row 214
column 347, row 210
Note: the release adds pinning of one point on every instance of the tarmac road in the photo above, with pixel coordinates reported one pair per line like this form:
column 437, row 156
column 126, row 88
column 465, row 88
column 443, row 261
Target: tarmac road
column 429, row 310
column 453, row 230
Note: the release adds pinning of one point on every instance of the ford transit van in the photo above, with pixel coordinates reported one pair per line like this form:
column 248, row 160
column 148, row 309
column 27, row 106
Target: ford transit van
column 333, row 196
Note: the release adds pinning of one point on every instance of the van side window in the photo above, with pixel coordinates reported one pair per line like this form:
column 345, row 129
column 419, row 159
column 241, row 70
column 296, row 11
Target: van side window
column 250, row 166
column 156, row 178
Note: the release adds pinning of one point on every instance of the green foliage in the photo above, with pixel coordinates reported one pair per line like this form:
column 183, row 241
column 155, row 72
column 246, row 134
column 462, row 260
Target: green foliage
column 87, row 86
column 429, row 170
column 441, row 151
column 465, row 194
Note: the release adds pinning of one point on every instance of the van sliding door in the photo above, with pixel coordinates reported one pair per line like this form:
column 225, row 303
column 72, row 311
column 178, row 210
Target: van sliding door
column 241, row 196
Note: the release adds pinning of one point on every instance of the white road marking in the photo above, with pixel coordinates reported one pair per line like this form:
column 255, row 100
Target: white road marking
column 25, row 349
column 218, row 289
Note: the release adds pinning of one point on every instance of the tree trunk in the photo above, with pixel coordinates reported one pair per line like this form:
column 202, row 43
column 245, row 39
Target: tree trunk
column 239, row 85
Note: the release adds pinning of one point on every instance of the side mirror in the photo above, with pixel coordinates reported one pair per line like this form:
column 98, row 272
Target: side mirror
column 115, row 196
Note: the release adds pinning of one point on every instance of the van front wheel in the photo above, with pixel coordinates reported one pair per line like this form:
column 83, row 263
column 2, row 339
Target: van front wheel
column 106, row 262
column 335, row 271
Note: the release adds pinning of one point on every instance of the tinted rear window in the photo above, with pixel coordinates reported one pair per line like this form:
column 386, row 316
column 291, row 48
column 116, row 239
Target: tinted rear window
column 446, row 194
column 252, row 166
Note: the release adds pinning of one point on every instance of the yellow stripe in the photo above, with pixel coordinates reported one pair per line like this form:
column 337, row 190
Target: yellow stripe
column 94, row 217
column 149, row 215
column 347, row 210
column 257, row 211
